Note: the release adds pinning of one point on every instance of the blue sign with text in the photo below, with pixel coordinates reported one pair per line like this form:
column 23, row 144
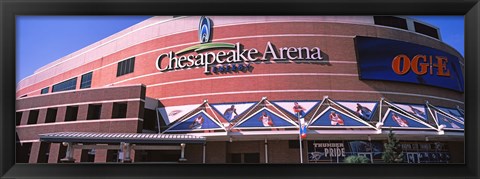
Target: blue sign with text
column 393, row 60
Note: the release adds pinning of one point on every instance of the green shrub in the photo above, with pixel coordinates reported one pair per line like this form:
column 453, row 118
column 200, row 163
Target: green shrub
column 356, row 159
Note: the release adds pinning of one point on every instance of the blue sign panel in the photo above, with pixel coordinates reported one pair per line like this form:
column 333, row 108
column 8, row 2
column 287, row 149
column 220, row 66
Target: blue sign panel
column 453, row 112
column 196, row 122
column 448, row 122
column 334, row 118
column 393, row 60
column 265, row 118
column 395, row 119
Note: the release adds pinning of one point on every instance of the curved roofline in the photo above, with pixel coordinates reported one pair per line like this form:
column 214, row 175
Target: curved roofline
column 361, row 20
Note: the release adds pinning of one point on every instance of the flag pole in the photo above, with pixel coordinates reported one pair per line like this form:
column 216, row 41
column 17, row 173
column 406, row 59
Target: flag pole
column 300, row 137
column 301, row 151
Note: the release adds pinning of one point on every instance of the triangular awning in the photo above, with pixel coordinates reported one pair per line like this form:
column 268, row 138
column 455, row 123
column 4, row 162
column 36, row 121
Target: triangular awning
column 394, row 119
column 418, row 111
column 399, row 118
column 296, row 108
column 200, row 119
column 454, row 113
column 250, row 119
column 363, row 109
column 231, row 111
column 448, row 122
column 334, row 118
column 447, row 118
column 265, row 118
column 326, row 113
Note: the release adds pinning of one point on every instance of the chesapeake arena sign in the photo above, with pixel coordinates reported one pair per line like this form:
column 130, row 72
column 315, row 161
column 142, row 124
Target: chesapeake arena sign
column 228, row 57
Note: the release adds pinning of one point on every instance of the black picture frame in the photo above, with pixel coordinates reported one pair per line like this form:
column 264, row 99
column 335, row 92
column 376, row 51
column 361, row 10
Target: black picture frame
column 9, row 9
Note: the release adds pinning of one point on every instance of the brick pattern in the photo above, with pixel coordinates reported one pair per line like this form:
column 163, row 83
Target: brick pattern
column 216, row 152
column 34, row 152
column 53, row 153
column 100, row 155
column 194, row 153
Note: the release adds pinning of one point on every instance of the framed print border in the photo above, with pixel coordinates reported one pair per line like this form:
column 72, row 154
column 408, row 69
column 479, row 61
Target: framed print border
column 10, row 9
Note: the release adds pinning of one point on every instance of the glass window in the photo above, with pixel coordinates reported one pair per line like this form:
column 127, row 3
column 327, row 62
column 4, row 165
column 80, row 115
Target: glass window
column 44, row 90
column 427, row 30
column 32, row 117
column 86, row 81
column 94, row 111
column 391, row 21
column 70, row 84
column 125, row 66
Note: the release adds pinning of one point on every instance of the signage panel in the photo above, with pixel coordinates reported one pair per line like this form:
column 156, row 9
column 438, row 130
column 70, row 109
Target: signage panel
column 393, row 60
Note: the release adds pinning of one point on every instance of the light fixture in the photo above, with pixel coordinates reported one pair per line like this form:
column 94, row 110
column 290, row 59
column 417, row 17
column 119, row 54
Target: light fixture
column 230, row 139
column 369, row 138
column 426, row 138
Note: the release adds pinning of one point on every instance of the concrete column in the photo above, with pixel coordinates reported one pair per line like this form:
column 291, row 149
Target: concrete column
column 34, row 152
column 101, row 155
column 42, row 116
column 266, row 151
column 126, row 153
column 24, row 119
column 204, row 150
column 107, row 109
column 77, row 155
column 61, row 112
column 135, row 109
column 182, row 155
column 132, row 155
column 82, row 112
column 53, row 153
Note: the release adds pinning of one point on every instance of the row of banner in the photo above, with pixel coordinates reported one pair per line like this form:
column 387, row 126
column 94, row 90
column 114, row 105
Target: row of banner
column 317, row 114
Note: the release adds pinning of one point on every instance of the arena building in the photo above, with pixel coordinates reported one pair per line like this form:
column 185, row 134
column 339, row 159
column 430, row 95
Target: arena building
column 230, row 89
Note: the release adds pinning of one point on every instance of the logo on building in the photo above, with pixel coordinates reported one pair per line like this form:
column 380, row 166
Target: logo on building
column 232, row 57
column 421, row 65
column 204, row 29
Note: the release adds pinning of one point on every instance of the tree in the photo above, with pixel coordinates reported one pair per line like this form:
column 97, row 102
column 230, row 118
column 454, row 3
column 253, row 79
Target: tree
column 393, row 151
column 356, row 159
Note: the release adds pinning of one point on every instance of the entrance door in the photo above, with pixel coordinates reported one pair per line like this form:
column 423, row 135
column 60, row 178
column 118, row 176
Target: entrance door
column 413, row 157
column 368, row 155
column 245, row 158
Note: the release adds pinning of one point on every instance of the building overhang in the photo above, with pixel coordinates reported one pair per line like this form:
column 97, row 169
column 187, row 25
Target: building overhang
column 134, row 138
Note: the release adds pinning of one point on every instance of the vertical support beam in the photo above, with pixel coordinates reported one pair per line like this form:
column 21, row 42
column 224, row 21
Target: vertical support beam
column 182, row 155
column 82, row 112
column 24, row 119
column 204, row 146
column 126, row 153
column 53, row 153
column 266, row 150
column 61, row 112
column 77, row 155
column 34, row 151
column 42, row 116
column 301, row 148
column 107, row 109
column 101, row 154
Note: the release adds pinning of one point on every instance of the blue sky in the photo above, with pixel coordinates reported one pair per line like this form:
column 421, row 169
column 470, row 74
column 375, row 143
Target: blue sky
column 43, row 39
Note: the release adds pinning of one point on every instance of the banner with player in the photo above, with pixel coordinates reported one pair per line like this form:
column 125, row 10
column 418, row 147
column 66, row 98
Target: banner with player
column 197, row 121
column 414, row 109
column 230, row 111
column 264, row 118
column 171, row 114
column 335, row 119
column 364, row 110
column 296, row 108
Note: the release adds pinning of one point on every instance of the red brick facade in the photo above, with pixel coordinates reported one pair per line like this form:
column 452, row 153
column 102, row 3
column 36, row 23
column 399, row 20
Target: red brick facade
column 336, row 78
